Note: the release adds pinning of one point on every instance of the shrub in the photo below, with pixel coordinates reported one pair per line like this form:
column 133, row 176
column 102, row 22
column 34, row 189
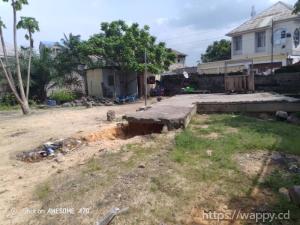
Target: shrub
column 8, row 100
column 63, row 96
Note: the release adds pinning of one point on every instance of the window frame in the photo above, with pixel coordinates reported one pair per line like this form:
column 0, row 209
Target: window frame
column 294, row 38
column 237, row 45
column 260, row 41
column 279, row 36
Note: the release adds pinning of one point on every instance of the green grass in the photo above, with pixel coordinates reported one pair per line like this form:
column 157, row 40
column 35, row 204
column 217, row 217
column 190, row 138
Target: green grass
column 43, row 191
column 92, row 165
column 251, row 135
column 277, row 180
column 179, row 174
column 8, row 107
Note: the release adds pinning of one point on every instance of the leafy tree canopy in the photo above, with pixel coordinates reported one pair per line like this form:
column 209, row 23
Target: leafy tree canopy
column 17, row 4
column 297, row 7
column 70, row 56
column 219, row 50
column 43, row 74
column 28, row 23
column 123, row 46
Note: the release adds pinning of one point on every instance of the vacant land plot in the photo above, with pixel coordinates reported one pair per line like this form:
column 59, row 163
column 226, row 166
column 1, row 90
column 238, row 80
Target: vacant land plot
column 22, row 133
column 220, row 162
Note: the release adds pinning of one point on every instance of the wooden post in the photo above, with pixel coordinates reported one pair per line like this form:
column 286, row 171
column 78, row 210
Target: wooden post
column 145, row 79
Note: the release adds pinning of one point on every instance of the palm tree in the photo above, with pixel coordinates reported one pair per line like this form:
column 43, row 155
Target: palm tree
column 20, row 96
column 31, row 25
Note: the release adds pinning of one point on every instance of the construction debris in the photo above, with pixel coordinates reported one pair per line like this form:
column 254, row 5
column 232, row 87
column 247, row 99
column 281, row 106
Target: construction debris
column 281, row 115
column 111, row 215
column 288, row 162
column 111, row 115
column 89, row 102
column 295, row 194
column 50, row 149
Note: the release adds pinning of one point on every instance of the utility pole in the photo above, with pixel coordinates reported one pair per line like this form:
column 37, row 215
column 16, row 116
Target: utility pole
column 272, row 48
column 145, row 79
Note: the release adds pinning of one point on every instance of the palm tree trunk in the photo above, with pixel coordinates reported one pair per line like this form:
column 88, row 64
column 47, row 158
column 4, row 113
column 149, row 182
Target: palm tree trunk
column 29, row 67
column 24, row 103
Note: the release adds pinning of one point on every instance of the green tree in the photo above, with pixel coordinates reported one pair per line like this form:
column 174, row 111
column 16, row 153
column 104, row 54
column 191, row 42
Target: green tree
column 219, row 50
column 43, row 75
column 18, row 92
column 297, row 7
column 69, row 58
column 123, row 47
column 31, row 26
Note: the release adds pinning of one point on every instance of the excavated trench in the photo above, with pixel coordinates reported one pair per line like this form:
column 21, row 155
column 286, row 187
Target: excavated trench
column 110, row 133
column 123, row 131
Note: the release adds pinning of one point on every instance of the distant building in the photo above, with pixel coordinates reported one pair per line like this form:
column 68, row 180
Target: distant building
column 190, row 69
column 110, row 83
column 54, row 47
column 179, row 61
column 252, row 42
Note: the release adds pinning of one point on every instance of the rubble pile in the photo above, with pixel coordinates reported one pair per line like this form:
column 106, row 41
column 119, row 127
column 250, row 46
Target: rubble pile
column 289, row 163
column 90, row 102
column 50, row 149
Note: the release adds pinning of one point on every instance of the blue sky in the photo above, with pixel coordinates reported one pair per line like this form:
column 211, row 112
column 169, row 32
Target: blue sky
column 188, row 26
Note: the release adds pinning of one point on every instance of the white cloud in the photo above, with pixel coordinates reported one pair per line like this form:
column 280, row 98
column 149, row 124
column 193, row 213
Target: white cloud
column 161, row 21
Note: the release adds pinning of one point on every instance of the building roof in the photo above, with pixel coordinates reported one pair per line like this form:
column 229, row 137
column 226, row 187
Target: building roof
column 9, row 49
column 49, row 44
column 178, row 53
column 278, row 12
column 190, row 69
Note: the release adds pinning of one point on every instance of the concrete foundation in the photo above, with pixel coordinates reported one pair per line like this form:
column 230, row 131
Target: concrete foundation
column 176, row 112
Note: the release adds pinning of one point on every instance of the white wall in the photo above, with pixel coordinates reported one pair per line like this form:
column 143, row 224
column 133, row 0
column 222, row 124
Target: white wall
column 248, row 43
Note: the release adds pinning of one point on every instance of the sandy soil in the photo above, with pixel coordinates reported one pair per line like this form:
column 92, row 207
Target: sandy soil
column 21, row 133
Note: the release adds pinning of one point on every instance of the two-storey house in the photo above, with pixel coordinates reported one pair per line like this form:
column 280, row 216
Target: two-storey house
column 270, row 40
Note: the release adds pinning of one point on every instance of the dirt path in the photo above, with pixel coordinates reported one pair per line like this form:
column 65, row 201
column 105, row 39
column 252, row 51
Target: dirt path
column 18, row 133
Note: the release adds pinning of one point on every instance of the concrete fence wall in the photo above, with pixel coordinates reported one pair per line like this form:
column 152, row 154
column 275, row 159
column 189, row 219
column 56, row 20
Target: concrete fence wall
column 281, row 83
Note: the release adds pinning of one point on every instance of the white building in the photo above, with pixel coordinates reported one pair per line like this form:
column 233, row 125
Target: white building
column 179, row 60
column 252, row 42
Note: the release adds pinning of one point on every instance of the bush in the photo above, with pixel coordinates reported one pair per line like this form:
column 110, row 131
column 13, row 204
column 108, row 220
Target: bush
column 63, row 96
column 8, row 100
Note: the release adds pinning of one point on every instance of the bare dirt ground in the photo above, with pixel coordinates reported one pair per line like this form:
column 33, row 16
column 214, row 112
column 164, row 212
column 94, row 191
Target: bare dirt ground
column 167, row 178
column 19, row 133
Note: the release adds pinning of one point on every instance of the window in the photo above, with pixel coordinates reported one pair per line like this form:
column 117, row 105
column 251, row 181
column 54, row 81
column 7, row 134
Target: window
column 260, row 41
column 296, row 37
column 279, row 36
column 237, row 45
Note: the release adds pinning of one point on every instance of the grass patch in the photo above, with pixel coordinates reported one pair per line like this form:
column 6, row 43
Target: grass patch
column 43, row 191
column 92, row 165
column 279, row 179
column 178, row 174
column 274, row 182
column 9, row 107
column 221, row 169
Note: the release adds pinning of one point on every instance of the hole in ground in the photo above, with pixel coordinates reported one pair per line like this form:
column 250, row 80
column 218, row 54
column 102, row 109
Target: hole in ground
column 124, row 131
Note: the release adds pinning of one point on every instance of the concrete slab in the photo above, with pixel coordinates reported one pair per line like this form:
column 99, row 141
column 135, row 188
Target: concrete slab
column 176, row 112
